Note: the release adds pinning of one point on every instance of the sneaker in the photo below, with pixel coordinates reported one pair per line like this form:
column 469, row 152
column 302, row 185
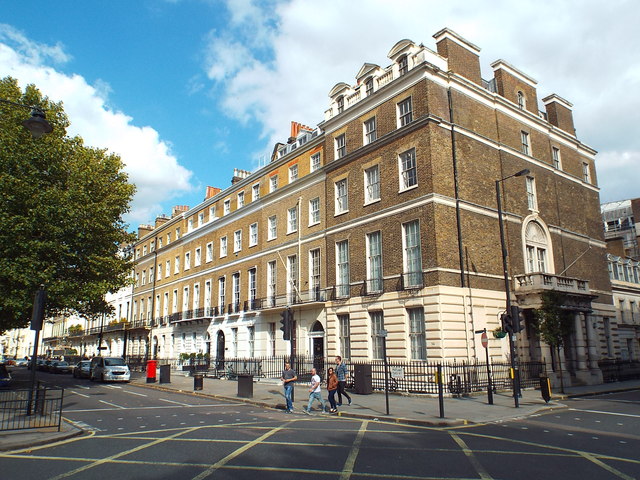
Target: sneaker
column 306, row 411
column 349, row 401
column 339, row 404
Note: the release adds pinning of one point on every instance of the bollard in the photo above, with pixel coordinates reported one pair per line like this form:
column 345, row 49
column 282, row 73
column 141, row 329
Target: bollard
column 440, row 391
column 165, row 373
column 197, row 380
column 151, row 371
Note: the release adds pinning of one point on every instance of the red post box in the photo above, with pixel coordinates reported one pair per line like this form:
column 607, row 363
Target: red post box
column 151, row 371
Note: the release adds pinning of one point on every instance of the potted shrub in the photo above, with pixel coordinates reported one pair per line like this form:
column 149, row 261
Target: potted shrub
column 499, row 333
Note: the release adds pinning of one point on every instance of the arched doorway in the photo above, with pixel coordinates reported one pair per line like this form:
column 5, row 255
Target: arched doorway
column 316, row 334
column 220, row 351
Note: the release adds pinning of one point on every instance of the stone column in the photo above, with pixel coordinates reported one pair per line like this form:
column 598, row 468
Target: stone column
column 581, row 351
column 592, row 340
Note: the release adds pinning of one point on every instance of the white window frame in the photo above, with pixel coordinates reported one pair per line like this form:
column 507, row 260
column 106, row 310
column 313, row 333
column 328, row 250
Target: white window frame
column 255, row 192
column 200, row 219
column 293, row 173
column 273, row 183
column 223, row 246
column 272, row 227
column 532, row 198
column 237, row 241
column 521, row 100
column 556, row 157
column 372, row 184
column 343, row 274
column 405, row 112
column 374, row 262
column 314, row 162
column 197, row 259
column 417, row 334
column 292, row 220
column 176, row 265
column 525, row 142
column 209, row 252
column 341, row 145
column 344, row 325
column 240, row 199
column 369, row 130
column 222, row 292
column 408, row 170
column 314, row 211
column 187, row 260
column 586, row 172
column 314, row 273
column 292, row 278
column 341, row 188
column 167, row 269
column 253, row 234
column 377, row 324
column 226, row 207
column 412, row 254
column 271, row 282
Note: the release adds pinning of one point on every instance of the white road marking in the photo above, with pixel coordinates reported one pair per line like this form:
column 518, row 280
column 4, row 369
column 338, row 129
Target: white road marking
column 112, row 404
column 81, row 394
column 173, row 401
column 135, row 393
column 159, row 407
column 84, row 387
column 606, row 413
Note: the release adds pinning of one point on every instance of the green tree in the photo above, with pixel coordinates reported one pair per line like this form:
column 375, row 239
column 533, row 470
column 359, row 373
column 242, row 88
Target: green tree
column 61, row 208
column 554, row 323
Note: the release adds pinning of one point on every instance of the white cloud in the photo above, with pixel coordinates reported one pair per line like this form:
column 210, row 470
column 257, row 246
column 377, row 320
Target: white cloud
column 581, row 50
column 148, row 160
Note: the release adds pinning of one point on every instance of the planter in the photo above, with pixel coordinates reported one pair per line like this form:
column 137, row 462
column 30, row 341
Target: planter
column 499, row 334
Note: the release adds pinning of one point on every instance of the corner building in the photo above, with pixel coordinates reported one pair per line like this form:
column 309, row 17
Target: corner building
column 384, row 218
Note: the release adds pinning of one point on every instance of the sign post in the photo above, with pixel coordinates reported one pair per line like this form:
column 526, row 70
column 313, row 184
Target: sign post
column 485, row 344
column 383, row 334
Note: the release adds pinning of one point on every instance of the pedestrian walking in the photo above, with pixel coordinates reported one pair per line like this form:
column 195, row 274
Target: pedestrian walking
column 288, row 378
column 342, row 373
column 332, row 388
column 314, row 392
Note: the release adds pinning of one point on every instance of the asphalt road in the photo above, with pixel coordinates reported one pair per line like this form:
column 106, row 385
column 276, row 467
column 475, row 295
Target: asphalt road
column 139, row 433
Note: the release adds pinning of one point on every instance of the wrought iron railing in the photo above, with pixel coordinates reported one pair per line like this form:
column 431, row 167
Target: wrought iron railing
column 25, row 409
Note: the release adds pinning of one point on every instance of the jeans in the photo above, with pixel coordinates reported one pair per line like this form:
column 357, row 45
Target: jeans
column 315, row 396
column 288, row 390
column 341, row 385
column 332, row 398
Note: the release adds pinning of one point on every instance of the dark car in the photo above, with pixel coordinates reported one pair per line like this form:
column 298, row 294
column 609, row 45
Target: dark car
column 82, row 369
column 45, row 365
column 5, row 377
column 60, row 366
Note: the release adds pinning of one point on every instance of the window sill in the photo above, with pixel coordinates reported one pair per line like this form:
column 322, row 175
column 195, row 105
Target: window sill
column 371, row 202
column 412, row 187
column 337, row 214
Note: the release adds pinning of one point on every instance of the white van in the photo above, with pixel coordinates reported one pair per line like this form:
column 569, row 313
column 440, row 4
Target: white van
column 109, row 369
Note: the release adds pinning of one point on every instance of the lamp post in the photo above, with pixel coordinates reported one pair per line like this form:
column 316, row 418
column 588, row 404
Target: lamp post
column 37, row 124
column 507, row 290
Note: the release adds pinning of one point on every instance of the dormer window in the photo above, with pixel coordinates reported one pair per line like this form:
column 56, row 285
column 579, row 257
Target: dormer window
column 521, row 101
column 403, row 65
column 368, row 85
column 340, row 102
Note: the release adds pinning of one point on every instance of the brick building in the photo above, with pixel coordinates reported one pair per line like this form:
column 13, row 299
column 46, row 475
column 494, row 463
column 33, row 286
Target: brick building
column 384, row 217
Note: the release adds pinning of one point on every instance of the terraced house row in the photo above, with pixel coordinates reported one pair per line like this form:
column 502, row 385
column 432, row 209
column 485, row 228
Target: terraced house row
column 384, row 216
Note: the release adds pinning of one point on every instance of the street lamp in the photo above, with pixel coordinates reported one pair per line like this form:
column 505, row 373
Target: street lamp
column 507, row 291
column 37, row 124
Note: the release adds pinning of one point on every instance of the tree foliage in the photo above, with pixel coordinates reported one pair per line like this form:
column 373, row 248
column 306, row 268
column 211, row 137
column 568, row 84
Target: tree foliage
column 61, row 208
column 553, row 323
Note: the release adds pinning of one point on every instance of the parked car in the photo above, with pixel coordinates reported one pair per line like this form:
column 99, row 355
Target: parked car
column 5, row 376
column 45, row 366
column 60, row 366
column 23, row 362
column 109, row 369
column 82, row 369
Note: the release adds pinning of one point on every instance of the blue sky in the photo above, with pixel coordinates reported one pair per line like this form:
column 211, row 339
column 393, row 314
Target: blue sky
column 187, row 90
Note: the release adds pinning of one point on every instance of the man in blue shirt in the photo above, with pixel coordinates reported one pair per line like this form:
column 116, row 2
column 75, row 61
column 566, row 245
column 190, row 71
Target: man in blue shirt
column 342, row 372
column 288, row 380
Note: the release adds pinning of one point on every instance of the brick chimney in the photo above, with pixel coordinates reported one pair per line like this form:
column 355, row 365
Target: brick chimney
column 178, row 209
column 463, row 57
column 144, row 230
column 559, row 113
column 212, row 191
column 510, row 82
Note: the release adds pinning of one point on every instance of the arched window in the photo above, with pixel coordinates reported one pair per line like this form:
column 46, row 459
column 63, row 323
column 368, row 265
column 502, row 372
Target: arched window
column 536, row 248
column 521, row 101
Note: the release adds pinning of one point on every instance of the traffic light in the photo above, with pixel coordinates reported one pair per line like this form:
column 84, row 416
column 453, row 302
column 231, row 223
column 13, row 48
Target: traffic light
column 516, row 319
column 286, row 318
column 506, row 323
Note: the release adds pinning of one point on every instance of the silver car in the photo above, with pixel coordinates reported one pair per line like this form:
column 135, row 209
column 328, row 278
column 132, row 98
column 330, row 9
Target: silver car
column 109, row 369
column 82, row 369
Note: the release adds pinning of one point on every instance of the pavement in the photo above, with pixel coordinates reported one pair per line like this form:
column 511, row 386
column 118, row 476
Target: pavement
column 403, row 408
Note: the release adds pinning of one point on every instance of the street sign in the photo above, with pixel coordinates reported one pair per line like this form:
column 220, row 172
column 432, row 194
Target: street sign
column 382, row 333
column 484, row 340
column 397, row 373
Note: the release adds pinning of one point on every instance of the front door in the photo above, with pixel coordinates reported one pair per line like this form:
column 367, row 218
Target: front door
column 318, row 354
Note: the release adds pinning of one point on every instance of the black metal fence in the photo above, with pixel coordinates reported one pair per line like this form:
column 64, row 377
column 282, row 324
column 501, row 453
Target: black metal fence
column 413, row 377
column 19, row 410
column 619, row 370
